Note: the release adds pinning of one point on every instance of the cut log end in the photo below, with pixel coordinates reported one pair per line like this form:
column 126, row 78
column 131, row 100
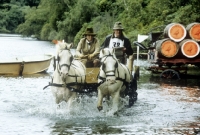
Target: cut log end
column 169, row 49
column 189, row 48
column 175, row 31
column 194, row 32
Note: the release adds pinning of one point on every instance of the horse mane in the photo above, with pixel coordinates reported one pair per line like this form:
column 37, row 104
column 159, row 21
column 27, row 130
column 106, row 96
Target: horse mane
column 61, row 45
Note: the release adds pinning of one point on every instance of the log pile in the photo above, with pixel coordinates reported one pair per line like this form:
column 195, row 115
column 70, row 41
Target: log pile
column 180, row 41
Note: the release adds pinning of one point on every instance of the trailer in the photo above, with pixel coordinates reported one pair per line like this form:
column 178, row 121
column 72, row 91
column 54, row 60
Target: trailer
column 172, row 49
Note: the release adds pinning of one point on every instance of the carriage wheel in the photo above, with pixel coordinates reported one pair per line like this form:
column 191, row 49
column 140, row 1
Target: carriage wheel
column 132, row 92
column 132, row 98
column 170, row 74
column 137, row 72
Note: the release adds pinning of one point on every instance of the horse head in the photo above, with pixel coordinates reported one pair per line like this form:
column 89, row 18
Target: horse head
column 64, row 58
column 109, row 64
column 105, row 52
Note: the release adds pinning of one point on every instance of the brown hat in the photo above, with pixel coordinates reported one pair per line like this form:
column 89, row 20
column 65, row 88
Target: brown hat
column 89, row 31
column 118, row 26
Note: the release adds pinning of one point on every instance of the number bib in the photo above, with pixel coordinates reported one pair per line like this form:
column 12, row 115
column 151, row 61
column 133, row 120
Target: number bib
column 116, row 42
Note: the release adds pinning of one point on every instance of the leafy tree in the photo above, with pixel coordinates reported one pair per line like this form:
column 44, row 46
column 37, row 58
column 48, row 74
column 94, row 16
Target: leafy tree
column 66, row 19
column 11, row 17
column 12, row 14
column 82, row 12
column 35, row 19
column 15, row 17
column 31, row 3
column 42, row 21
column 3, row 22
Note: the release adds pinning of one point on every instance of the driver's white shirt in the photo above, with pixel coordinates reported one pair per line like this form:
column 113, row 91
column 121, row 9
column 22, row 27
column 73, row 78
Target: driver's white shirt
column 116, row 42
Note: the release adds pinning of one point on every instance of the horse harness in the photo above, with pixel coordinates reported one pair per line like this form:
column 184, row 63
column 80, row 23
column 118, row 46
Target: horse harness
column 67, row 65
column 116, row 69
column 84, row 87
column 66, row 85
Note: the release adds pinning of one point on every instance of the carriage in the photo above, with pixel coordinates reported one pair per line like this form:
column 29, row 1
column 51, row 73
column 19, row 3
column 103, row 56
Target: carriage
column 172, row 49
column 71, row 78
column 91, row 79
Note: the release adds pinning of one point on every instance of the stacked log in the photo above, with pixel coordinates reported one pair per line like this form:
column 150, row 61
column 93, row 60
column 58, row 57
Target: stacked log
column 180, row 41
column 167, row 48
column 193, row 30
column 189, row 48
column 175, row 31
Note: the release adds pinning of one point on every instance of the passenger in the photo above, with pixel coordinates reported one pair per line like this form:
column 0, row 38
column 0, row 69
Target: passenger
column 88, row 49
column 118, row 40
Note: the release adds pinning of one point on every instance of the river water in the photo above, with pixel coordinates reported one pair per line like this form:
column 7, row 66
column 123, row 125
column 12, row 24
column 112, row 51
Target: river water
column 163, row 106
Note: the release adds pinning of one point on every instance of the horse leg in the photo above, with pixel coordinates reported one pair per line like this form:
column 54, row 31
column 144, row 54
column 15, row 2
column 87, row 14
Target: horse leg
column 69, row 104
column 58, row 100
column 100, row 100
column 132, row 93
column 71, row 96
column 107, row 100
column 115, row 101
column 57, row 103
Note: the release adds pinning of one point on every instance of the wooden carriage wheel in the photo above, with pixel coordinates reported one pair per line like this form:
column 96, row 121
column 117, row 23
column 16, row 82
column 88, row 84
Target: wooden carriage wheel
column 170, row 74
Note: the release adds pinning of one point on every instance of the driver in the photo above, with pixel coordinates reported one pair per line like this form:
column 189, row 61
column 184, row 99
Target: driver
column 88, row 49
column 118, row 40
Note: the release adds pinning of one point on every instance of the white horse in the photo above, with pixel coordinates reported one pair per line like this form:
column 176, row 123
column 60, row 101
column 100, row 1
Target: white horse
column 68, row 72
column 113, row 76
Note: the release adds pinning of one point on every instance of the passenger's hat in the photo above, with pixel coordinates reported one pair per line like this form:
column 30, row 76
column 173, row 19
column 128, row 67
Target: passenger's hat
column 89, row 31
column 118, row 26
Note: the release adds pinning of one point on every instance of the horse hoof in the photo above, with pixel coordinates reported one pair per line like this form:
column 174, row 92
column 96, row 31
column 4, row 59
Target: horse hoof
column 100, row 108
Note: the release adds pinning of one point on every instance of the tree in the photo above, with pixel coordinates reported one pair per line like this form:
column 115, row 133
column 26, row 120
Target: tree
column 31, row 3
column 12, row 14
column 67, row 19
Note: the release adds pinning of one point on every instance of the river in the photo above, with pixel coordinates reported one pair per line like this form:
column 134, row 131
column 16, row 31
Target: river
column 163, row 107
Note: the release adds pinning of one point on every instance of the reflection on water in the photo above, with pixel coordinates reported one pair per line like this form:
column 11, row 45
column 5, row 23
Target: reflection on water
column 92, row 127
column 163, row 106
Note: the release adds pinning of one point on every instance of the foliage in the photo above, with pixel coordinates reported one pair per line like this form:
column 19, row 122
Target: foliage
column 12, row 13
column 31, row 3
column 11, row 17
column 82, row 12
column 66, row 19
column 35, row 20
